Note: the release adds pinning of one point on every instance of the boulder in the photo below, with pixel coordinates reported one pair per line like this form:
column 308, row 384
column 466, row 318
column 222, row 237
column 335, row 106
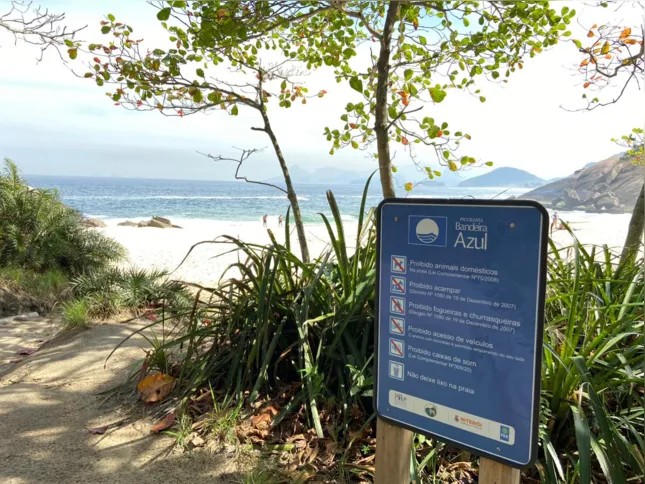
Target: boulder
column 93, row 222
column 558, row 203
column 27, row 317
column 607, row 200
column 613, row 173
column 158, row 224
column 571, row 197
column 162, row 220
column 127, row 223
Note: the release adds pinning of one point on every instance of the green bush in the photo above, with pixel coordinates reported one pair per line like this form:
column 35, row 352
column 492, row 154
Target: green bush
column 75, row 314
column 39, row 233
column 113, row 290
column 302, row 334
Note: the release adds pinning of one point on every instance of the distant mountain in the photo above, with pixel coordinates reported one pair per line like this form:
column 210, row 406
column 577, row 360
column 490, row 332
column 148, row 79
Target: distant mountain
column 504, row 177
column 611, row 185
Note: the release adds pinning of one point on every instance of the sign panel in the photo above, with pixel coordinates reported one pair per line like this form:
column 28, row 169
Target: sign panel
column 460, row 298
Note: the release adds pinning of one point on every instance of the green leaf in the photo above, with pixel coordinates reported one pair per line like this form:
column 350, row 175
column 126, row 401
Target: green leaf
column 394, row 169
column 106, row 75
column 69, row 43
column 482, row 99
column 73, row 53
column 489, row 163
column 235, row 110
column 422, row 40
column 583, row 439
column 198, row 96
column 446, row 154
column 354, row 144
column 105, row 29
column 437, row 94
column 356, row 84
column 408, row 74
column 163, row 14
column 578, row 43
column 111, row 17
column 200, row 72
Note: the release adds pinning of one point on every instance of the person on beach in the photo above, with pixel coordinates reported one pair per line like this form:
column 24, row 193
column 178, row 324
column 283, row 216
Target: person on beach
column 555, row 222
column 264, row 220
column 280, row 221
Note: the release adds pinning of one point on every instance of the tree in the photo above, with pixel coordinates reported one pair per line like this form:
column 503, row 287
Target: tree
column 425, row 49
column 175, row 81
column 616, row 59
column 35, row 26
column 635, row 143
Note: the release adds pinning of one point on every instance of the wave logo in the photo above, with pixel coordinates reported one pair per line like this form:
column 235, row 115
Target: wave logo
column 425, row 230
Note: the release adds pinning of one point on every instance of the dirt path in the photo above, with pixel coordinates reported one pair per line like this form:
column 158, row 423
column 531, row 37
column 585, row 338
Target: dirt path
column 48, row 400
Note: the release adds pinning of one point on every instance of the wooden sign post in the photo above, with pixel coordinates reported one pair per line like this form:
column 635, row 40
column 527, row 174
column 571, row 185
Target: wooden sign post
column 491, row 472
column 393, row 451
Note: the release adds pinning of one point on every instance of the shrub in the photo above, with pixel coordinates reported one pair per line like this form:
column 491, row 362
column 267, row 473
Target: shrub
column 112, row 290
column 75, row 314
column 39, row 233
column 301, row 334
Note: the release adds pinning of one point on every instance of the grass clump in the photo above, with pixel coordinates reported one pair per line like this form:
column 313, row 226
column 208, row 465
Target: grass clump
column 114, row 291
column 75, row 314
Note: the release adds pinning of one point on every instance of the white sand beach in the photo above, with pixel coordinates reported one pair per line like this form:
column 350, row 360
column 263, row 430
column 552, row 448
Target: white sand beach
column 165, row 248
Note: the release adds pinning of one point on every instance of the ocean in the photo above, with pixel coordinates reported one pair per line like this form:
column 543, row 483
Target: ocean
column 136, row 199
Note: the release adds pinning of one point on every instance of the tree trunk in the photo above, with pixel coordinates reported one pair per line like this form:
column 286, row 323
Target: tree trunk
column 381, row 115
column 291, row 192
column 635, row 232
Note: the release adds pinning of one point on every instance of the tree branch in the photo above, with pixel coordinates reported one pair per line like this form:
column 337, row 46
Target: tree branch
column 239, row 161
column 38, row 27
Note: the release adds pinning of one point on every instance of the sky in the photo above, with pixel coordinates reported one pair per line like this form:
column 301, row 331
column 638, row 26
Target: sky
column 53, row 123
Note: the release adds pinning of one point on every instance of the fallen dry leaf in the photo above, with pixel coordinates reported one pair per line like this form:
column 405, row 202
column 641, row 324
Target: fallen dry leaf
column 155, row 388
column 26, row 351
column 261, row 421
column 164, row 424
column 98, row 430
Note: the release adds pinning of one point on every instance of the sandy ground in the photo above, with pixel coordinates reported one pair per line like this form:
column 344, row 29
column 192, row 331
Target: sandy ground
column 50, row 399
column 165, row 248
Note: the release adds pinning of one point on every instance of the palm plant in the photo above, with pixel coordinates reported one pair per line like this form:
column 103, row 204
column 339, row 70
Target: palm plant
column 38, row 232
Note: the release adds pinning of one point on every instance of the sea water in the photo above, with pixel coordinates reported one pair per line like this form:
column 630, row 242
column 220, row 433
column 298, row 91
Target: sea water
column 136, row 199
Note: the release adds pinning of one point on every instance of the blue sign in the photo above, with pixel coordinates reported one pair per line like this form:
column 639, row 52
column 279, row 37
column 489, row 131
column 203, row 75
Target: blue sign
column 460, row 300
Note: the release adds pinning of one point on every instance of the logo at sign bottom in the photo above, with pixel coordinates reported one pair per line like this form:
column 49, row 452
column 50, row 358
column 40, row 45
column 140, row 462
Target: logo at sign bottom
column 453, row 417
